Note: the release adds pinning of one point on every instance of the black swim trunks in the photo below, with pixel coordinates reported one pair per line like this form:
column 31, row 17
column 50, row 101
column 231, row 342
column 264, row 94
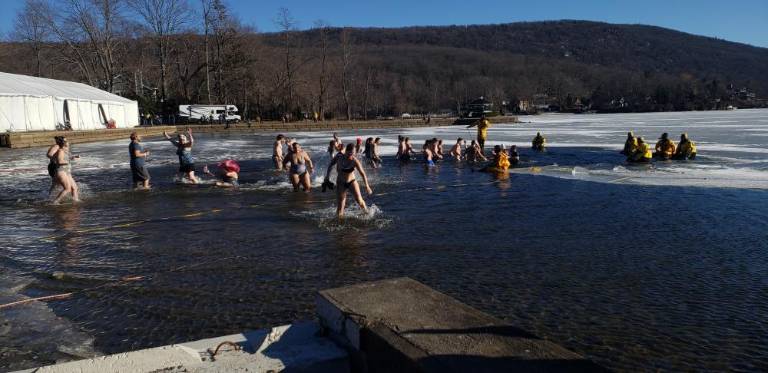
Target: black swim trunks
column 187, row 167
column 52, row 169
column 140, row 174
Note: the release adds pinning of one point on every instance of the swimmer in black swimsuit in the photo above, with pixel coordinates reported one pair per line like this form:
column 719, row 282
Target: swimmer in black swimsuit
column 300, row 169
column 52, row 166
column 346, row 164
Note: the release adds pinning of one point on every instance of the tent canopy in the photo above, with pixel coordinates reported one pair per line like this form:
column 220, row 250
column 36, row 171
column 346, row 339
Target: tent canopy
column 32, row 104
column 24, row 85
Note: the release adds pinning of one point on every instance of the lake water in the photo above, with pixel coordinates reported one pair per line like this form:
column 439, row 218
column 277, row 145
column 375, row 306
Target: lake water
column 638, row 268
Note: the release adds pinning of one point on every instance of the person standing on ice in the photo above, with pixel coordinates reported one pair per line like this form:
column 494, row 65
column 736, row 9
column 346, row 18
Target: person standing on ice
column 482, row 130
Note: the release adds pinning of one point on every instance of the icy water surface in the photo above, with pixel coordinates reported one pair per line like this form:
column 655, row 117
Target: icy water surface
column 638, row 268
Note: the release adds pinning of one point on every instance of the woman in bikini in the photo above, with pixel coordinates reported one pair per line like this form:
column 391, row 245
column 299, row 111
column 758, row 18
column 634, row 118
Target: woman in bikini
column 301, row 168
column 346, row 164
column 64, row 173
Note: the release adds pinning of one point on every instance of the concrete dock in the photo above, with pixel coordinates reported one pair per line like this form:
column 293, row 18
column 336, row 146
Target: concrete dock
column 298, row 347
column 401, row 325
column 396, row 325
column 17, row 140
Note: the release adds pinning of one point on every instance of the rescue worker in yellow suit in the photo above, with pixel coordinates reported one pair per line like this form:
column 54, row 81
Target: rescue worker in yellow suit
column 630, row 145
column 539, row 142
column 482, row 130
column 665, row 148
column 686, row 149
column 642, row 154
column 500, row 162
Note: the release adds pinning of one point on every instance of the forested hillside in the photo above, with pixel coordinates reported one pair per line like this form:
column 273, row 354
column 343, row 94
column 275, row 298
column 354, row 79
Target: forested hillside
column 367, row 72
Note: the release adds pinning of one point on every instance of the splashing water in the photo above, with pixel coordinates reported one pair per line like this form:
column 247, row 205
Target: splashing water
column 355, row 219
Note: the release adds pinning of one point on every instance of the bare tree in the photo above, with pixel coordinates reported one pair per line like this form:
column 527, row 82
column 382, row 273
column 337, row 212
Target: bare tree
column 163, row 19
column 287, row 24
column 188, row 65
column 322, row 29
column 93, row 34
column 367, row 91
column 207, row 8
column 346, row 70
column 104, row 30
column 30, row 27
column 226, row 37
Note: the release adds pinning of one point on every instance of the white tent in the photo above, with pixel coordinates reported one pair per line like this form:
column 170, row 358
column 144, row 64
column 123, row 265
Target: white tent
column 35, row 104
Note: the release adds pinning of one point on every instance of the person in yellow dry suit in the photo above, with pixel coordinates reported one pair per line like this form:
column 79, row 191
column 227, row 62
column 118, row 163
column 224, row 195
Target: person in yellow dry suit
column 539, row 142
column 630, row 145
column 642, row 154
column 482, row 130
column 686, row 149
column 665, row 148
column 500, row 162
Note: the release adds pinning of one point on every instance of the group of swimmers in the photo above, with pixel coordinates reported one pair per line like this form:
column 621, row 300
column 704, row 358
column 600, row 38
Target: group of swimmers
column 228, row 170
column 289, row 156
column 638, row 151
column 299, row 166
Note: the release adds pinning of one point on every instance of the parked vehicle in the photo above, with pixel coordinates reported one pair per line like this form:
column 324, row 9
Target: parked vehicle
column 209, row 113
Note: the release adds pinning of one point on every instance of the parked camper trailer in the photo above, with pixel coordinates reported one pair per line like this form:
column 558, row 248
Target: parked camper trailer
column 209, row 113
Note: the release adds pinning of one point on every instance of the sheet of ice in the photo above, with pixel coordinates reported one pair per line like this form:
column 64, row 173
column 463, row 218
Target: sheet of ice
column 732, row 145
column 734, row 141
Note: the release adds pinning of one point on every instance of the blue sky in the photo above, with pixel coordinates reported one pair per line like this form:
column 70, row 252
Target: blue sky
column 744, row 21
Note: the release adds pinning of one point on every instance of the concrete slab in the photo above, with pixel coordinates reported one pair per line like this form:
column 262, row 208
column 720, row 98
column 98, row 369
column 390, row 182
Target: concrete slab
column 403, row 325
column 296, row 348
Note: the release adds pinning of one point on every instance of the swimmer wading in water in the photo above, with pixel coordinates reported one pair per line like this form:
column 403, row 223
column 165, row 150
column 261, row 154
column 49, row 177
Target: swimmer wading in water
column 346, row 164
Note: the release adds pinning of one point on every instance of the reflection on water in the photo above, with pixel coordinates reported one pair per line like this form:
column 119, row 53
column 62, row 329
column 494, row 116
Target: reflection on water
column 609, row 260
column 66, row 220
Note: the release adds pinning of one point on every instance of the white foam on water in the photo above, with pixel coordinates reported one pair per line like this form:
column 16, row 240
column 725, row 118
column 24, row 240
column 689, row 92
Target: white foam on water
column 354, row 217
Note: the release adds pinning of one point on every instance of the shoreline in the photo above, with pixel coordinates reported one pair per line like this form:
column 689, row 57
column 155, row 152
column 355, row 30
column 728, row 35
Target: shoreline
column 19, row 140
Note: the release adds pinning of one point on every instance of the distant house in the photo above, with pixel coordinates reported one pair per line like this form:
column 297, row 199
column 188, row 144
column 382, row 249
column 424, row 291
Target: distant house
column 524, row 106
